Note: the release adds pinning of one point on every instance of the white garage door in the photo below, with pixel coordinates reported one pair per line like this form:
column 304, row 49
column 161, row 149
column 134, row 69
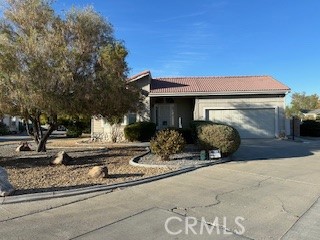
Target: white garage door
column 251, row 123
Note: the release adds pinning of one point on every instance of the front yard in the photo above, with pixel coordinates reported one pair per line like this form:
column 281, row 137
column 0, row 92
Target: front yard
column 30, row 172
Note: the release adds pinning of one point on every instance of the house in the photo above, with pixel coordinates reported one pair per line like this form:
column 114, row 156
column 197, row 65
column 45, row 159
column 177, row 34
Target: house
column 314, row 114
column 254, row 105
column 13, row 122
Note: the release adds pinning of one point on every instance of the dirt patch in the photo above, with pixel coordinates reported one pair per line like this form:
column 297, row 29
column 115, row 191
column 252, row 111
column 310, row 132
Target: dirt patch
column 30, row 172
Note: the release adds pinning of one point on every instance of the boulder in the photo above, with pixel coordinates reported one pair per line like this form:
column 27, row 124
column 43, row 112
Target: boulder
column 5, row 186
column 24, row 146
column 98, row 172
column 61, row 158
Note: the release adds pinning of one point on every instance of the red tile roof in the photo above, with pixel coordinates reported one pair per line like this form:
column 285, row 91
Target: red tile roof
column 236, row 84
column 139, row 75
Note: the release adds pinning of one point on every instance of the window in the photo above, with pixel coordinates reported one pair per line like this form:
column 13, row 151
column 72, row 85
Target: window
column 132, row 118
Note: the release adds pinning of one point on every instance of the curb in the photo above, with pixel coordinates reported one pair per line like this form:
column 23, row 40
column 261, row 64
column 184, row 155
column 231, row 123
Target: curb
column 100, row 188
column 134, row 162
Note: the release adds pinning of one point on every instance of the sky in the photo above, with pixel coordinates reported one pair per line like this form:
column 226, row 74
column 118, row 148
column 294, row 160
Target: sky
column 218, row 37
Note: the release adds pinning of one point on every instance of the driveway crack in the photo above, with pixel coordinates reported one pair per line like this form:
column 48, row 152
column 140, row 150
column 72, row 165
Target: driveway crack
column 217, row 199
column 284, row 209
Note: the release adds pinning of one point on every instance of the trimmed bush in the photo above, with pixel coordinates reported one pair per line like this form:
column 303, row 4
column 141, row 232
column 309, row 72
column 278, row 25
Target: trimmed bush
column 310, row 128
column 166, row 143
column 186, row 134
column 140, row 131
column 4, row 130
column 223, row 137
column 195, row 125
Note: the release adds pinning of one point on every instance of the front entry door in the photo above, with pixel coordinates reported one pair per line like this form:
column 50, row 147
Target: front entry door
column 164, row 115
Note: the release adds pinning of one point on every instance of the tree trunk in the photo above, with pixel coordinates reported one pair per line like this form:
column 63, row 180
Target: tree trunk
column 43, row 141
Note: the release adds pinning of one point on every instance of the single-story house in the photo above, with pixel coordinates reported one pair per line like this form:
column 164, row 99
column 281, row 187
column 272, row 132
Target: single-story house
column 254, row 105
column 12, row 122
column 314, row 114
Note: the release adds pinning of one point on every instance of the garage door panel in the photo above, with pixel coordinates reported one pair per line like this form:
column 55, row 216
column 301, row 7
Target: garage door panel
column 251, row 123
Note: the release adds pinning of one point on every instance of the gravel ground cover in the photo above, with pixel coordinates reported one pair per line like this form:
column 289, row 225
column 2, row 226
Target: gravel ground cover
column 30, row 172
column 178, row 160
column 189, row 157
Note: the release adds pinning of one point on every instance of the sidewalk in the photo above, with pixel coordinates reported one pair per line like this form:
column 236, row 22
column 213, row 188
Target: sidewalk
column 308, row 226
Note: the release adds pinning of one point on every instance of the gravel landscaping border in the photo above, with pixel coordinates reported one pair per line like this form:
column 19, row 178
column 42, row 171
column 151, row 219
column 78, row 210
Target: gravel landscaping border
column 102, row 188
column 175, row 167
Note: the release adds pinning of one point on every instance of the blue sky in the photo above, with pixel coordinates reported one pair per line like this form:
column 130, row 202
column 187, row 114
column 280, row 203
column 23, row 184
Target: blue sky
column 218, row 37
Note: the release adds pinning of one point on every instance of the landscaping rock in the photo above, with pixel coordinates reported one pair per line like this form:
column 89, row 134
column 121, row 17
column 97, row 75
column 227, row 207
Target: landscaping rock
column 24, row 146
column 5, row 186
column 98, row 172
column 61, row 158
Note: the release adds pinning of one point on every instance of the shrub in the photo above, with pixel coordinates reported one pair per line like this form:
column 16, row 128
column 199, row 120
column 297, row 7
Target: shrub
column 75, row 124
column 74, row 131
column 186, row 134
column 195, row 125
column 166, row 143
column 4, row 130
column 223, row 137
column 310, row 128
column 140, row 131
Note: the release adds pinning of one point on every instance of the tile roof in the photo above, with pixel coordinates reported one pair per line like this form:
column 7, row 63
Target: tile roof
column 139, row 75
column 217, row 85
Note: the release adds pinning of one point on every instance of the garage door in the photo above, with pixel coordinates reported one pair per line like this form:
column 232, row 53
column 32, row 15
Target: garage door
column 251, row 123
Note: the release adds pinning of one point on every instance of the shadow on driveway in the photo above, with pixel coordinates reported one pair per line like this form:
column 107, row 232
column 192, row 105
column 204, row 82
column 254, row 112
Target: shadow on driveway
column 264, row 149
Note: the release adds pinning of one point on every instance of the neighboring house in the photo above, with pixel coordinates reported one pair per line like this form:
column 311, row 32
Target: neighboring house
column 314, row 114
column 12, row 122
column 254, row 105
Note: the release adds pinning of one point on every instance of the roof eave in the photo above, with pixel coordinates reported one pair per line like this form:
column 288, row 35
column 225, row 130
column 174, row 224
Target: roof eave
column 182, row 94
column 139, row 76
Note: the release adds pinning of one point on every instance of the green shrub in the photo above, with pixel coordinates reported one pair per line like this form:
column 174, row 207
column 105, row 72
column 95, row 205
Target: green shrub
column 140, row 131
column 4, row 130
column 74, row 131
column 75, row 124
column 166, row 143
column 223, row 137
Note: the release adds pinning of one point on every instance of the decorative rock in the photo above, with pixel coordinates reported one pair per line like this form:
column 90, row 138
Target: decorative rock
column 98, row 172
column 61, row 158
column 5, row 186
column 24, row 146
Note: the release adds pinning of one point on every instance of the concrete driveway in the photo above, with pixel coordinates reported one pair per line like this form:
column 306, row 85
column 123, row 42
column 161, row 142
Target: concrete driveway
column 270, row 191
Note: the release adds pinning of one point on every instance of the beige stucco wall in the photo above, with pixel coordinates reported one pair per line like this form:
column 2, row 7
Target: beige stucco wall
column 144, row 85
column 278, row 103
column 12, row 122
column 101, row 130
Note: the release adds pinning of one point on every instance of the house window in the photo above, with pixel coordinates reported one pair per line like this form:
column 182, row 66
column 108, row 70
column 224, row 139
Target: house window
column 132, row 118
